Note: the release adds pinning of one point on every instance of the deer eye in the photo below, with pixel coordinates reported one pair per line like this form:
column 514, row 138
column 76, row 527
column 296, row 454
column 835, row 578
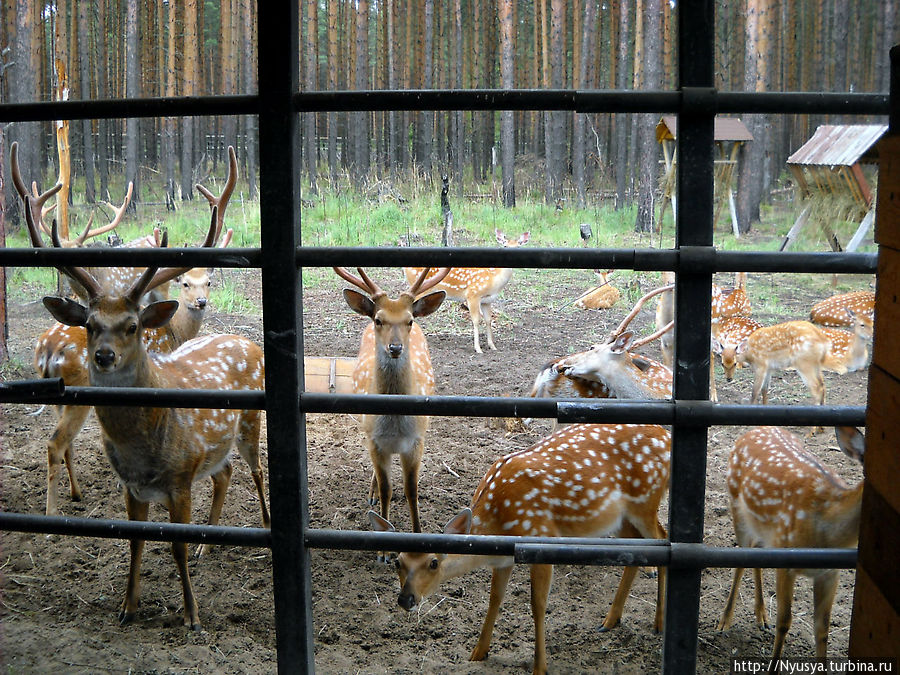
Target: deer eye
column 410, row 323
column 209, row 283
column 378, row 322
column 434, row 564
column 132, row 329
column 185, row 284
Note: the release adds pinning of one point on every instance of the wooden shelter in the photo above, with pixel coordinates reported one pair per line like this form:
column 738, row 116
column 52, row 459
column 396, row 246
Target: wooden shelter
column 828, row 166
column 729, row 134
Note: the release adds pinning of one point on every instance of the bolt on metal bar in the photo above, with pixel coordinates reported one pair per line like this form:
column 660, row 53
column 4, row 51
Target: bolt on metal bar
column 136, row 529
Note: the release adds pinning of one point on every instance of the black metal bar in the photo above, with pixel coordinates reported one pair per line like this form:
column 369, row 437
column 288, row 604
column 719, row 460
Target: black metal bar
column 279, row 154
column 571, row 258
column 894, row 108
column 29, row 391
column 119, row 256
column 132, row 529
column 175, row 106
column 136, row 396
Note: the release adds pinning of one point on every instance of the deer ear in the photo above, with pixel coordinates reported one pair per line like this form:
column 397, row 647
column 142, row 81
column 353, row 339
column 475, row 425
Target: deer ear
column 66, row 311
column 359, row 303
column 852, row 442
column 460, row 524
column 716, row 346
column 428, row 304
column 524, row 237
column 741, row 348
column 622, row 342
column 379, row 524
column 158, row 314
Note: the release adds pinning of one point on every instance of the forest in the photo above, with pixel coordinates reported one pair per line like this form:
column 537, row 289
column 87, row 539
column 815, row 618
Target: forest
column 102, row 49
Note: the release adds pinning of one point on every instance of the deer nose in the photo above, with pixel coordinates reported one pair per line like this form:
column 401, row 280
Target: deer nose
column 104, row 357
column 395, row 349
column 201, row 302
column 407, row 601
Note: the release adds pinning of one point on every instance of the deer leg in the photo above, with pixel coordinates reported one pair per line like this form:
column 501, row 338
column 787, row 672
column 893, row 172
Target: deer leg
column 824, row 588
column 59, row 449
column 381, row 461
column 487, row 312
column 759, row 603
column 410, row 463
column 475, row 314
column 614, row 615
column 815, row 382
column 760, row 385
column 713, row 396
column 651, row 528
column 136, row 510
column 784, row 594
column 220, row 481
column 180, row 512
column 499, row 580
column 541, row 578
column 248, row 447
column 728, row 613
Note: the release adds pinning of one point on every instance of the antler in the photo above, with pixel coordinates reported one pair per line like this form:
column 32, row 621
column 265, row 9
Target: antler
column 35, row 203
column 364, row 283
column 419, row 287
column 222, row 201
column 637, row 308
column 651, row 338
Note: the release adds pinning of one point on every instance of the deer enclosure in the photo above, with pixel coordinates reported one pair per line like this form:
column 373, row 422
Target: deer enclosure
column 61, row 595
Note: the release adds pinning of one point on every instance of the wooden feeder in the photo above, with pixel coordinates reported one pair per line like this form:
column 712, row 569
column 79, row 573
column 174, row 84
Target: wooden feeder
column 729, row 134
column 828, row 165
column 329, row 374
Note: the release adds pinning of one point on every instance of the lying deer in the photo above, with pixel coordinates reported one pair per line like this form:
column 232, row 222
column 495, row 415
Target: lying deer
column 158, row 453
column 394, row 359
column 478, row 287
column 582, row 481
column 833, row 311
column 782, row 496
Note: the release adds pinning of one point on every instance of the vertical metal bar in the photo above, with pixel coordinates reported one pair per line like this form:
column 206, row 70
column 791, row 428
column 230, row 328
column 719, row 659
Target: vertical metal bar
column 279, row 145
column 694, row 227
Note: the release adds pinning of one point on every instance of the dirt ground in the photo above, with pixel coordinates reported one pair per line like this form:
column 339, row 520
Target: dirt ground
column 59, row 595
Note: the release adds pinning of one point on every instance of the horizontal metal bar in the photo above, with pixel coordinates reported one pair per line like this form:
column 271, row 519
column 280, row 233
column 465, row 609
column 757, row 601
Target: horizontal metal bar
column 21, row 391
column 137, row 396
column 135, row 529
column 450, row 406
column 578, row 100
column 165, row 106
column 120, row 256
column 572, row 258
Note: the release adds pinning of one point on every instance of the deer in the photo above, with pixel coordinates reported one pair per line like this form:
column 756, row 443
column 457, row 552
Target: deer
column 849, row 351
column 584, row 480
column 61, row 351
column 732, row 332
column 782, row 496
column 478, row 287
column 833, row 311
column 603, row 296
column 726, row 303
column 158, row 453
column 394, row 359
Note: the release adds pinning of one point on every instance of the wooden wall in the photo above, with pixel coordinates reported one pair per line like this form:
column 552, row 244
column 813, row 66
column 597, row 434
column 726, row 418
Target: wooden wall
column 875, row 628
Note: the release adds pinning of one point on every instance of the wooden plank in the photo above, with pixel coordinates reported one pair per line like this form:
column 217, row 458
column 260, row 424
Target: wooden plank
column 861, row 231
column 875, row 626
column 328, row 375
column 886, row 352
column 883, row 436
column 887, row 224
column 732, row 208
column 862, row 183
column 796, row 227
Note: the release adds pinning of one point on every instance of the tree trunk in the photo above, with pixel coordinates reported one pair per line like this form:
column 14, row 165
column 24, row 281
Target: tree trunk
column 427, row 130
column 507, row 120
column 102, row 93
column 168, row 139
column 360, row 119
column 250, row 87
column 587, row 37
column 87, row 137
column 647, row 145
column 622, row 121
column 309, row 119
column 458, row 141
column 132, row 90
column 189, row 79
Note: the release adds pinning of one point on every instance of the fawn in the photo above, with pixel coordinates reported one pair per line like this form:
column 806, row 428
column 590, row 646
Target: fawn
column 394, row 359
column 833, row 311
column 158, row 453
column 478, row 287
column 783, row 497
column 585, row 480
column 850, row 352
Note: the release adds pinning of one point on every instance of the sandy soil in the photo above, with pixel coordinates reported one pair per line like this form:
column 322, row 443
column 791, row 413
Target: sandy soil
column 60, row 595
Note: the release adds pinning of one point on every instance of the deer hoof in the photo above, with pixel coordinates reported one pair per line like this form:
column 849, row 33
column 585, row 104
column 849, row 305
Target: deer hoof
column 125, row 617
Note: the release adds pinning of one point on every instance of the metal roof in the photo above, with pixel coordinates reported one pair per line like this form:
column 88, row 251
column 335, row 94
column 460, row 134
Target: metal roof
column 840, row 145
column 725, row 129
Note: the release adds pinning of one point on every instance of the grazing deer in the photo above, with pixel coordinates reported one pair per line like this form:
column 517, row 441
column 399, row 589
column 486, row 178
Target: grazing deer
column 833, row 311
column 732, row 332
column 478, row 287
column 849, row 352
column 158, row 453
column 793, row 345
column 783, row 497
column 585, row 480
column 61, row 351
column 394, row 359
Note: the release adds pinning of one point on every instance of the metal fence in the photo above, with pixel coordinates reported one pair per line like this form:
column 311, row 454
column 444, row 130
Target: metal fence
column 278, row 106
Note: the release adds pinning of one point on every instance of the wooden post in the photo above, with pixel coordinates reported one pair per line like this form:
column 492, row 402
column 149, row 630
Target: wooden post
column 875, row 628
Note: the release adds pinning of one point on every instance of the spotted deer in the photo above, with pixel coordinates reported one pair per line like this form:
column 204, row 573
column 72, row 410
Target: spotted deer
column 158, row 453
column 732, row 332
column 793, row 345
column 850, row 351
column 478, row 287
column 782, row 496
column 833, row 311
column 603, row 296
column 394, row 359
column 584, row 480
column 61, row 351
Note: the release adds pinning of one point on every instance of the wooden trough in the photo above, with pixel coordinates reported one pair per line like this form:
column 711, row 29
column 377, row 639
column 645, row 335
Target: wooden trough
column 328, row 374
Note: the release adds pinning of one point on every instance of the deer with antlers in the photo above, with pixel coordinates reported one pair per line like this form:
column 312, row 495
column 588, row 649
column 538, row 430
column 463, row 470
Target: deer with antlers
column 158, row 453
column 585, row 480
column 478, row 287
column 394, row 359
column 782, row 496
column 61, row 351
